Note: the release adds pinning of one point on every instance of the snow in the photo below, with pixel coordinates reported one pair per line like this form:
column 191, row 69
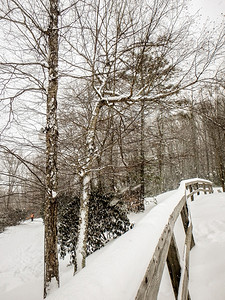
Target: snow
column 54, row 194
column 115, row 272
column 21, row 261
column 207, row 257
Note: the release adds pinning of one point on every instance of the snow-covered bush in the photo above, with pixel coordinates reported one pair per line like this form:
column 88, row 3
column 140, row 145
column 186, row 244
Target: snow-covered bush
column 12, row 217
column 106, row 222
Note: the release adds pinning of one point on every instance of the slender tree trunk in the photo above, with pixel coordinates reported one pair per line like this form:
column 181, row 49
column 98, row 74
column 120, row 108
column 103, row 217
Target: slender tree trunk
column 142, row 166
column 8, row 201
column 219, row 143
column 81, row 249
column 51, row 268
column 160, row 150
column 206, row 142
column 222, row 175
column 194, row 138
column 100, row 184
column 111, row 159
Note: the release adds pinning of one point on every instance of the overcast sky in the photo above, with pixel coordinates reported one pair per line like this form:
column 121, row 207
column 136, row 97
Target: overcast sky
column 213, row 9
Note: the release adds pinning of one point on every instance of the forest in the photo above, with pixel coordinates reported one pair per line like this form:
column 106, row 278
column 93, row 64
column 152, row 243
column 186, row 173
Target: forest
column 104, row 103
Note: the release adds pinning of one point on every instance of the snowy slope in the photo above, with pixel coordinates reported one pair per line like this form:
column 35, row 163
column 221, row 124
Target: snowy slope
column 21, row 258
column 207, row 274
column 21, row 261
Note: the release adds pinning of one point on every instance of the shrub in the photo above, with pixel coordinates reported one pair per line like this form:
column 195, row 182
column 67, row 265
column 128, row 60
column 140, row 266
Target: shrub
column 106, row 222
column 12, row 217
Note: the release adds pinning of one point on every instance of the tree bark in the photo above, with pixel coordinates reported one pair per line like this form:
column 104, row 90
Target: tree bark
column 142, row 165
column 81, row 249
column 51, row 268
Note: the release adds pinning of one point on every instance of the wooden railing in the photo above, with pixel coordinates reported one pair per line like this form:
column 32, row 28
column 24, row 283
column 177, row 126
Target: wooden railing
column 167, row 250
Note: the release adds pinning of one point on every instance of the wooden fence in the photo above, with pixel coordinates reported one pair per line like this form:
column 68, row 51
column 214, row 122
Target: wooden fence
column 167, row 250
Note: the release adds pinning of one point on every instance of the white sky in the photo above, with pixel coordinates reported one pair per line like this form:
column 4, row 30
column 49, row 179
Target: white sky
column 212, row 9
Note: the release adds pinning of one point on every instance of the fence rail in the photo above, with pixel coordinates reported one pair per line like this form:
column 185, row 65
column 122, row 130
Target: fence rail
column 166, row 250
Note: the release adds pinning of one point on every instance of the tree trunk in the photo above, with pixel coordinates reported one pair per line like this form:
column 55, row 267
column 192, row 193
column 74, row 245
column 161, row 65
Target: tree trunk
column 50, row 250
column 81, row 249
column 194, row 138
column 142, row 165
column 219, row 143
column 111, row 158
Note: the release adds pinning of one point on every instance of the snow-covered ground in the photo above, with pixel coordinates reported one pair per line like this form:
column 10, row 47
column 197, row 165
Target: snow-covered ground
column 117, row 269
column 207, row 273
column 21, row 261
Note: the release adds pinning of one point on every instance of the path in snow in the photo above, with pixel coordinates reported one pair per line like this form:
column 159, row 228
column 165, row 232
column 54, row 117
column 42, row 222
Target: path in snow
column 21, row 261
column 207, row 272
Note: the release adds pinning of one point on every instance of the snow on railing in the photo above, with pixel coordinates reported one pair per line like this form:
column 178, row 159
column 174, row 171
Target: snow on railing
column 167, row 250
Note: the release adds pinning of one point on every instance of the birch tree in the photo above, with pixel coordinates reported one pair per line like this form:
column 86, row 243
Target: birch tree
column 51, row 253
column 114, row 38
column 29, row 67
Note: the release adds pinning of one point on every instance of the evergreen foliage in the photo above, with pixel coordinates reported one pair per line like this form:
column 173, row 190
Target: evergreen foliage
column 106, row 222
column 12, row 217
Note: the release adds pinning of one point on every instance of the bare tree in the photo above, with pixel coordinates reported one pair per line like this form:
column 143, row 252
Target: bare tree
column 10, row 167
column 30, row 67
column 51, row 253
column 113, row 45
column 212, row 109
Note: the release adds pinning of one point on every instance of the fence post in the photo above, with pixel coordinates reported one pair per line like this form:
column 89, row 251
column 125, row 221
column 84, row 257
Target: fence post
column 185, row 220
column 191, row 190
column 173, row 263
column 197, row 186
column 183, row 291
column 204, row 188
